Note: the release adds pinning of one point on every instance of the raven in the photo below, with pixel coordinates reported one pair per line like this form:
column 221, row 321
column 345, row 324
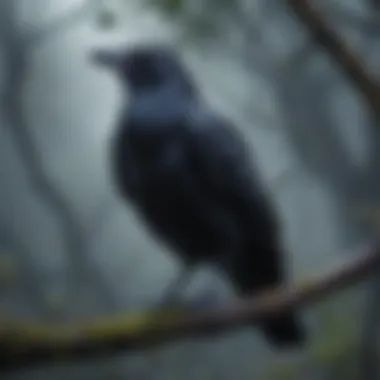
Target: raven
column 191, row 178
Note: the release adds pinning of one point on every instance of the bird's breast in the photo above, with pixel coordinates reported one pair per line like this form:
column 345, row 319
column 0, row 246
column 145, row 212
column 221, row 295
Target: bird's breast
column 166, row 170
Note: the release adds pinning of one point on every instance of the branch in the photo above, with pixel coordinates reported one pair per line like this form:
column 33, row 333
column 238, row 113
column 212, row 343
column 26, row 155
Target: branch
column 23, row 345
column 374, row 4
column 368, row 25
column 339, row 51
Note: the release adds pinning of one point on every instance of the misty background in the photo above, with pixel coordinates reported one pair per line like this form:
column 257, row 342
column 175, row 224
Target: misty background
column 70, row 249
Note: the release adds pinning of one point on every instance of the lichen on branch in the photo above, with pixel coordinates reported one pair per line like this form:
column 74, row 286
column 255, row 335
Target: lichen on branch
column 26, row 344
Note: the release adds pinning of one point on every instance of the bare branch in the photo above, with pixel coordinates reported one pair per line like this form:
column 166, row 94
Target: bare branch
column 374, row 5
column 357, row 74
column 369, row 25
column 29, row 344
column 339, row 51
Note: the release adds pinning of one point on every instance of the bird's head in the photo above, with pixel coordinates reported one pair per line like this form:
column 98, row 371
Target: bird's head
column 145, row 67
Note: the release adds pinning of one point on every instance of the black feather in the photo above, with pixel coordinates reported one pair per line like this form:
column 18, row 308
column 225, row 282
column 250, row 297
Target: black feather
column 190, row 176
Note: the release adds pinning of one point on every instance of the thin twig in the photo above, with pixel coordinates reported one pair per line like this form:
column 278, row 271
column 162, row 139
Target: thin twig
column 357, row 73
column 339, row 51
column 369, row 353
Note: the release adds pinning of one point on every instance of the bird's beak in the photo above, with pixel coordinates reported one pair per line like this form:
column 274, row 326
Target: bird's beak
column 108, row 58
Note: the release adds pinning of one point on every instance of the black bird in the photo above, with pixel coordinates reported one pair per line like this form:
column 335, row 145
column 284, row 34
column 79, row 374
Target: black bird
column 189, row 174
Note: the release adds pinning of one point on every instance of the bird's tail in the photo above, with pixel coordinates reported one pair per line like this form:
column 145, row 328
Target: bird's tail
column 284, row 331
column 258, row 270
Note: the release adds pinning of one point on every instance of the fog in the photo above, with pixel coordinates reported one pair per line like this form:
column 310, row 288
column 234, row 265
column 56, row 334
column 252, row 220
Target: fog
column 71, row 249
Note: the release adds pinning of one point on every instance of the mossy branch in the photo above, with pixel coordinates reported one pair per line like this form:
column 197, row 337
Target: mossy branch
column 27, row 344
column 337, row 49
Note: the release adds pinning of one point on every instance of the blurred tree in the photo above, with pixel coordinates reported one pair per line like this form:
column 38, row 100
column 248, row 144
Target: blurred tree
column 17, row 47
column 304, row 96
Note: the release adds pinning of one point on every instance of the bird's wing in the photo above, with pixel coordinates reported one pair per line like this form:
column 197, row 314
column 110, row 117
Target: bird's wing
column 225, row 167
